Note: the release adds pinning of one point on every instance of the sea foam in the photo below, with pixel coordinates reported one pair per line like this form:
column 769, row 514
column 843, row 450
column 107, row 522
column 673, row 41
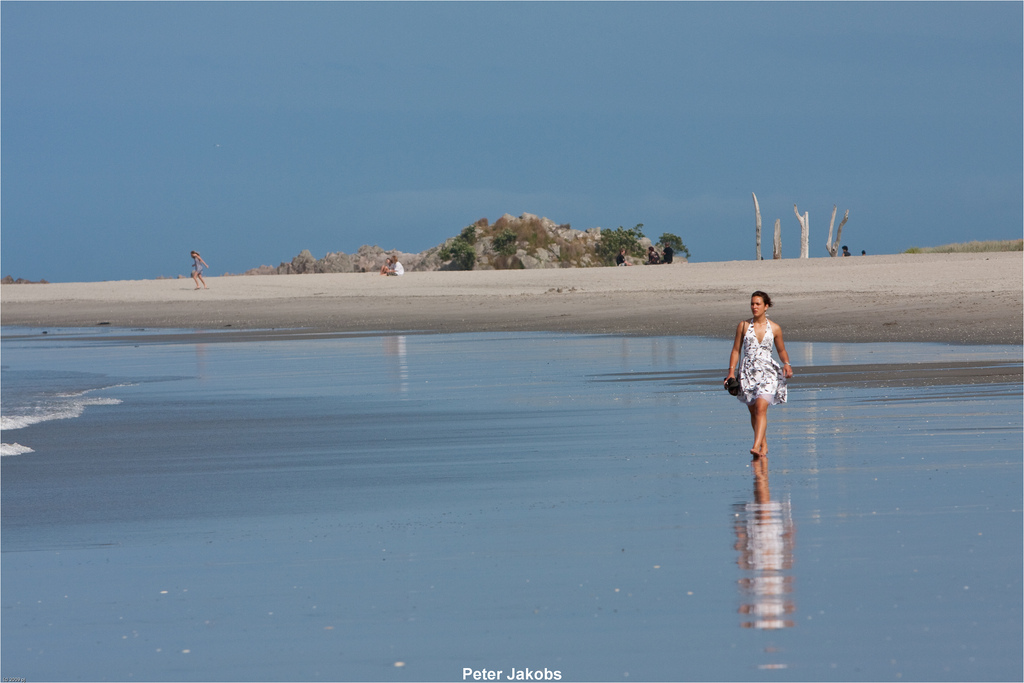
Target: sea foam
column 65, row 408
column 14, row 449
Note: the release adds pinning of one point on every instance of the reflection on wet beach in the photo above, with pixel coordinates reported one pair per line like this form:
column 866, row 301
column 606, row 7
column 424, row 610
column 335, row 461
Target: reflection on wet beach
column 394, row 351
column 764, row 538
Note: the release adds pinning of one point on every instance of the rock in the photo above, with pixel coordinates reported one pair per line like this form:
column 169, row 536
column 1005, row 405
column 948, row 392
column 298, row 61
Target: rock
column 530, row 262
column 8, row 280
column 261, row 270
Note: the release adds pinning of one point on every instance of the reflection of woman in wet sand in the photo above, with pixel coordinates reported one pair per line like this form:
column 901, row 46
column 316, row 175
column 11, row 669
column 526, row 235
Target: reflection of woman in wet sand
column 764, row 536
column 762, row 380
column 198, row 265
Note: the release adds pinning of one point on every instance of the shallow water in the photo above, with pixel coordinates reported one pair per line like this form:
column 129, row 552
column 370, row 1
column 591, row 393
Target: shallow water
column 398, row 507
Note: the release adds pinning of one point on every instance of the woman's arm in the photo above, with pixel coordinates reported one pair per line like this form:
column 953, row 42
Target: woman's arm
column 734, row 356
column 780, row 346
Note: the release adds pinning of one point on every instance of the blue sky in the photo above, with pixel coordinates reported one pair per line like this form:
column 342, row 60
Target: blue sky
column 134, row 132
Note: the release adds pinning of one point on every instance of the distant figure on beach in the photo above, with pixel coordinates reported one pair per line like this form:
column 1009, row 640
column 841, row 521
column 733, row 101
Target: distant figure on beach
column 198, row 265
column 846, row 251
column 396, row 267
column 620, row 260
column 667, row 255
column 653, row 258
column 386, row 268
column 762, row 380
column 863, row 252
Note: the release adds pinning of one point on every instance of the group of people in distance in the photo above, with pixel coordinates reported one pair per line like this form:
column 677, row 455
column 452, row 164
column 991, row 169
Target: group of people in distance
column 653, row 257
column 392, row 266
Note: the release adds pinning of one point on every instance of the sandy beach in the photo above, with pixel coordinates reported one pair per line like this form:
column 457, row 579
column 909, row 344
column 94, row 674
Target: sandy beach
column 326, row 495
column 955, row 298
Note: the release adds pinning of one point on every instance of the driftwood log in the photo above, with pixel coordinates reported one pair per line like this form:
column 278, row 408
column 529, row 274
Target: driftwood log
column 777, row 244
column 804, row 220
column 833, row 247
column 757, row 214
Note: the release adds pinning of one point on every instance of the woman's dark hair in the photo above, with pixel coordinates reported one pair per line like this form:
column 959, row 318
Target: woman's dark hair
column 764, row 297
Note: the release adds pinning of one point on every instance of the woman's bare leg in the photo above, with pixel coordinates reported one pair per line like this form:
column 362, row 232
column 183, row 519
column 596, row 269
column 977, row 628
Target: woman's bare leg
column 759, row 422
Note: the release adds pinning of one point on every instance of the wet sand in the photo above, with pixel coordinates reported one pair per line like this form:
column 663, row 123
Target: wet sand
column 953, row 298
column 403, row 507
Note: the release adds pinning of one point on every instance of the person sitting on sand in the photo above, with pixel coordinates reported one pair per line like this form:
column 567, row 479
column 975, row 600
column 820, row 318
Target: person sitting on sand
column 386, row 268
column 846, row 251
column 198, row 265
column 667, row 256
column 396, row 267
column 653, row 258
column 620, row 260
column 762, row 380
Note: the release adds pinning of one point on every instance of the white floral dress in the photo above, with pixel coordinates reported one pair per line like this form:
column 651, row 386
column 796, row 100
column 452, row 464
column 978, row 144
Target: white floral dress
column 760, row 375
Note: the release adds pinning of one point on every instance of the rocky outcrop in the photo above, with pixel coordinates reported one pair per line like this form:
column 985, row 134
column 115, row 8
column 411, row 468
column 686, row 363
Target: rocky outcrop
column 538, row 243
column 526, row 241
column 368, row 259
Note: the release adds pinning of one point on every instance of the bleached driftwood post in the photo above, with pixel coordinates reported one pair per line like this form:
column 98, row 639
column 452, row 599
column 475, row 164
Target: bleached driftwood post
column 804, row 220
column 833, row 247
column 839, row 230
column 757, row 213
column 777, row 245
column 828, row 243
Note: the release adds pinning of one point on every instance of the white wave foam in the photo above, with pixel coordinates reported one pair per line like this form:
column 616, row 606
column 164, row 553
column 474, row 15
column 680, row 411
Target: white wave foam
column 14, row 449
column 62, row 410
column 76, row 394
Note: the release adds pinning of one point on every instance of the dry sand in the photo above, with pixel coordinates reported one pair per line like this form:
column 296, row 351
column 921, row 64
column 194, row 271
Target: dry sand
column 957, row 298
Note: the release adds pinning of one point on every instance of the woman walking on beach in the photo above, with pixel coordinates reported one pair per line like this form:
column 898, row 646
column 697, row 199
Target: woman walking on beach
column 198, row 265
column 762, row 380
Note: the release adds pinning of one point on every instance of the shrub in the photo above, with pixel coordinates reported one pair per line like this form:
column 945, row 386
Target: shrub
column 667, row 239
column 460, row 249
column 614, row 240
column 460, row 252
column 505, row 242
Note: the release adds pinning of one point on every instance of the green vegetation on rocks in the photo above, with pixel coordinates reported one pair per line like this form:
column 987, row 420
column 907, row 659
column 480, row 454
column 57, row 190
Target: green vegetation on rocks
column 505, row 242
column 459, row 250
column 614, row 240
column 667, row 239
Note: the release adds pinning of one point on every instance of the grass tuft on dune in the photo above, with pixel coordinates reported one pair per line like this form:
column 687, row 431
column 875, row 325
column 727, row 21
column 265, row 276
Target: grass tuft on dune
column 970, row 247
